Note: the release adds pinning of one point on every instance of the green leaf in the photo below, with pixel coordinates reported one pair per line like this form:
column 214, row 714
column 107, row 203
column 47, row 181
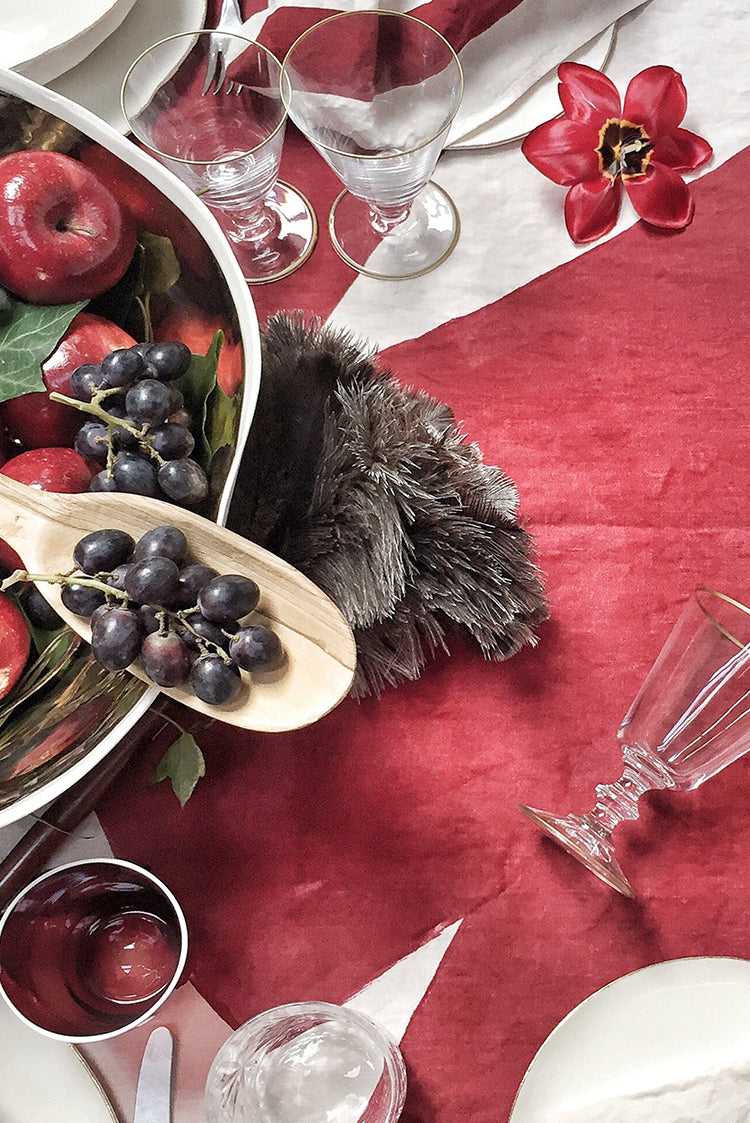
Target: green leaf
column 183, row 765
column 221, row 420
column 161, row 267
column 27, row 337
column 197, row 386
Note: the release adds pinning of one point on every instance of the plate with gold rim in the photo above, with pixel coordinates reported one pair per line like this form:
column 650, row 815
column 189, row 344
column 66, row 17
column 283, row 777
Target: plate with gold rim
column 674, row 1028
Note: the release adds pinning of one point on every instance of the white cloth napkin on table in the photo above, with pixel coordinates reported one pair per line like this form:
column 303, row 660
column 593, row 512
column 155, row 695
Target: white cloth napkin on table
column 503, row 62
column 720, row 1094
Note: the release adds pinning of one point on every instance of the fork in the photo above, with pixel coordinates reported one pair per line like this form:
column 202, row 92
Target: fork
column 230, row 20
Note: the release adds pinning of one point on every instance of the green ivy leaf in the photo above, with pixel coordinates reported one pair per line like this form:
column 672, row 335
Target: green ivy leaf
column 183, row 764
column 197, row 386
column 161, row 268
column 27, row 337
column 221, row 413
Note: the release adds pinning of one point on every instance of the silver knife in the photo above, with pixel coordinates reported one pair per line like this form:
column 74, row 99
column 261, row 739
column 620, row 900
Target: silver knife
column 153, row 1096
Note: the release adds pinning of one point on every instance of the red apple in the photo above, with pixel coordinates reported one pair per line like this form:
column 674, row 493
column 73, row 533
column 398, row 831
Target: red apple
column 196, row 329
column 149, row 208
column 38, row 422
column 15, row 644
column 63, row 235
column 51, row 469
column 88, row 339
column 9, row 559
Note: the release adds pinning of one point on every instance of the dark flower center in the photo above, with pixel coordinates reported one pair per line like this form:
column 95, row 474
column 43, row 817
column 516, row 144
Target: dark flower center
column 624, row 149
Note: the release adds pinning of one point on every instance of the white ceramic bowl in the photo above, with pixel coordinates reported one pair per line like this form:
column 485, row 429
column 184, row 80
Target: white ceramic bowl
column 37, row 774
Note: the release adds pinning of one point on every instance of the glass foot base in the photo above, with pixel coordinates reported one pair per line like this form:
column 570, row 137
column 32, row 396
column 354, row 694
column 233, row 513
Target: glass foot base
column 294, row 234
column 575, row 835
column 416, row 245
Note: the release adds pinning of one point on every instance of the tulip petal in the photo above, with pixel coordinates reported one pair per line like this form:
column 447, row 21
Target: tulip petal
column 682, row 150
column 657, row 99
column 564, row 151
column 586, row 94
column 591, row 209
column 661, row 197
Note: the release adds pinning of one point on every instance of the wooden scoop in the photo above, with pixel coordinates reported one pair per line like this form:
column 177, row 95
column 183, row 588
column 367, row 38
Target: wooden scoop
column 44, row 527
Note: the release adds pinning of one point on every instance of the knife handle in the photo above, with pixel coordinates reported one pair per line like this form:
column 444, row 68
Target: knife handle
column 35, row 848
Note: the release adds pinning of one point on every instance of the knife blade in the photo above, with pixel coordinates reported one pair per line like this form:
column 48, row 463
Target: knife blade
column 153, row 1096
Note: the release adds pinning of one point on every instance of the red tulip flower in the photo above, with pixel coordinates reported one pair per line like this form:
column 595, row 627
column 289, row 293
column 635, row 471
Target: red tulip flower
column 597, row 148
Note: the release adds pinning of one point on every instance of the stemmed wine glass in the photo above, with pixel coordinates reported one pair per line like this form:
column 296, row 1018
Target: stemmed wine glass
column 222, row 135
column 376, row 92
column 689, row 720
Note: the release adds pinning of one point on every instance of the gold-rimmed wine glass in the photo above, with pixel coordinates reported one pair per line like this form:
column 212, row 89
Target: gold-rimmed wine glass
column 222, row 135
column 689, row 720
column 376, row 93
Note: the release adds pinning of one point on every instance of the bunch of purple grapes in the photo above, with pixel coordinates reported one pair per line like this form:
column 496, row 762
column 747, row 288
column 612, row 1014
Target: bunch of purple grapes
column 140, row 430
column 148, row 601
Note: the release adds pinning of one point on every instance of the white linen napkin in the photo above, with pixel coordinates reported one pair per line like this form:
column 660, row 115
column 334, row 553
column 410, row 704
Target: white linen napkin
column 720, row 1094
column 502, row 62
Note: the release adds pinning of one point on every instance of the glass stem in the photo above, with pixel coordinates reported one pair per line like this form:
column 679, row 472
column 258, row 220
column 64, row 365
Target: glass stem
column 619, row 801
column 255, row 223
column 384, row 219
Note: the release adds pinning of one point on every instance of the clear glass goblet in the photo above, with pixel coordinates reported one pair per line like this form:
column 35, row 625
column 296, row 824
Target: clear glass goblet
column 311, row 1061
column 376, row 92
column 689, row 720
column 224, row 143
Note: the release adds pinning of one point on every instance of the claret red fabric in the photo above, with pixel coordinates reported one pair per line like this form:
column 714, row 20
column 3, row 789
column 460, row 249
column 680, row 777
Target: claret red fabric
column 613, row 392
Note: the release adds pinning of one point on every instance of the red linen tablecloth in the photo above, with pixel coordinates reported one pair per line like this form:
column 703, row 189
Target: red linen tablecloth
column 611, row 390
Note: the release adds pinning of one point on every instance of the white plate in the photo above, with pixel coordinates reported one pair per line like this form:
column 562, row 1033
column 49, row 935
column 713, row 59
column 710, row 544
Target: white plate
column 44, row 38
column 95, row 82
column 45, row 1081
column 540, row 103
column 671, row 1021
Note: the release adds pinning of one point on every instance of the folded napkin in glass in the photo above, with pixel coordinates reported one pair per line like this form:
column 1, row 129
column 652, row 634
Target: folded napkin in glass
column 505, row 46
column 720, row 1094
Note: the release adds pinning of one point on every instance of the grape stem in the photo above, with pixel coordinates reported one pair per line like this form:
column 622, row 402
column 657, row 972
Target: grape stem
column 95, row 409
column 166, row 617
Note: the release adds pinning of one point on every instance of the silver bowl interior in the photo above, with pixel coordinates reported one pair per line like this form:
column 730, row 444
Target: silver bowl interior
column 66, row 729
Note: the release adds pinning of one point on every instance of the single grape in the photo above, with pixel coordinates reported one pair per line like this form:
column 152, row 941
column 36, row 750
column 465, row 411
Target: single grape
column 206, row 630
column 171, row 441
column 122, row 439
column 122, row 367
column 103, row 481
column 177, row 400
column 168, row 360
column 228, row 598
column 192, row 580
column 152, row 580
column 117, row 577
column 181, row 417
column 149, row 618
column 163, row 542
column 81, row 599
column 165, row 658
column 256, row 648
column 134, row 474
column 102, row 550
column 149, row 402
column 39, row 611
column 183, row 481
column 85, row 381
column 92, row 441
column 116, row 637
column 214, row 681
